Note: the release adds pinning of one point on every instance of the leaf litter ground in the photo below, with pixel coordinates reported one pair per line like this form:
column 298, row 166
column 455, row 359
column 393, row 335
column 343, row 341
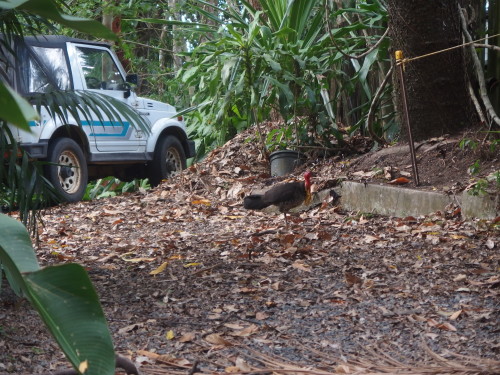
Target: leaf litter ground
column 191, row 282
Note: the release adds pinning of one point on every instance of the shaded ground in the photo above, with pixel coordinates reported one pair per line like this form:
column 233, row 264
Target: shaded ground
column 330, row 287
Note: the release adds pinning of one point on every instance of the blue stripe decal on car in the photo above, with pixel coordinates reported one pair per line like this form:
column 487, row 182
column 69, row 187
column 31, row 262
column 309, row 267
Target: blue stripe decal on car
column 122, row 127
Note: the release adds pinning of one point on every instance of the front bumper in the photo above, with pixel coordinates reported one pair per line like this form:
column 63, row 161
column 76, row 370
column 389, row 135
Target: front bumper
column 36, row 150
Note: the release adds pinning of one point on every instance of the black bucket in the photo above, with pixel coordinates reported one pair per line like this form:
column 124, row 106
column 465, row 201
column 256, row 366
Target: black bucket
column 284, row 162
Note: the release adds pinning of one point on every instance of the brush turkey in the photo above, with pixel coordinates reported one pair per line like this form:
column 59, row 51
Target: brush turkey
column 284, row 196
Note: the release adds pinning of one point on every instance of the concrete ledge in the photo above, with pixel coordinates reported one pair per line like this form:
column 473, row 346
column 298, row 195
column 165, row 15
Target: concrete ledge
column 401, row 202
column 482, row 207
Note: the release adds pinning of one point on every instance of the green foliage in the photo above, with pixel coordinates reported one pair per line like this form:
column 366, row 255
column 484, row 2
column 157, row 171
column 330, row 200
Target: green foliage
column 49, row 10
column 479, row 187
column 63, row 296
column 111, row 187
column 495, row 178
column 491, row 182
column 23, row 186
column 486, row 185
column 467, row 143
column 16, row 110
column 475, row 168
column 282, row 59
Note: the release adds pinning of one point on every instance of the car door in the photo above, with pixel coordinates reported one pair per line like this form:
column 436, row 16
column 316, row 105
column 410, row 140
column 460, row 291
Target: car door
column 100, row 72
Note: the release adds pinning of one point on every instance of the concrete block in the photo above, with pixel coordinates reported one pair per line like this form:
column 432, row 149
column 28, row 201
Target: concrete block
column 391, row 200
column 481, row 206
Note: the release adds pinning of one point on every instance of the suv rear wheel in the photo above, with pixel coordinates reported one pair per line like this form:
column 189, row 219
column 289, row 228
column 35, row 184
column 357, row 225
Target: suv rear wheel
column 169, row 159
column 67, row 170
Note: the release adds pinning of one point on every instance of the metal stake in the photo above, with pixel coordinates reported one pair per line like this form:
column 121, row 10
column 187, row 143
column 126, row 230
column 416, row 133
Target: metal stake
column 399, row 64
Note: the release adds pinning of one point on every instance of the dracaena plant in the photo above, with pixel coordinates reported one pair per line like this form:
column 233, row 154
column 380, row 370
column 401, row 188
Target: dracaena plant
column 249, row 69
column 291, row 57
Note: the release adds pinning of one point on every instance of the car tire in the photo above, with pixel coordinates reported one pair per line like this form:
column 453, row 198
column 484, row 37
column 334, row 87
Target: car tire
column 67, row 169
column 169, row 158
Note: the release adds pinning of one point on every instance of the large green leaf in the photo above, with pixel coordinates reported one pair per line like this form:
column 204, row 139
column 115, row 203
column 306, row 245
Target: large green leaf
column 15, row 109
column 16, row 254
column 69, row 306
column 49, row 10
column 63, row 296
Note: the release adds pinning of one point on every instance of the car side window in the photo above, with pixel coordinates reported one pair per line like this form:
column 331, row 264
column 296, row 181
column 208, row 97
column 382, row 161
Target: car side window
column 54, row 62
column 38, row 81
column 42, row 69
column 99, row 69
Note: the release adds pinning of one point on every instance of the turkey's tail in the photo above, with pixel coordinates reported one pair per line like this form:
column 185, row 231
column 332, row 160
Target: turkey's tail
column 254, row 202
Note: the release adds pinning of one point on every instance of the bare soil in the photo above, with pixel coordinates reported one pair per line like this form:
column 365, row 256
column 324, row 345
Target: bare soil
column 192, row 283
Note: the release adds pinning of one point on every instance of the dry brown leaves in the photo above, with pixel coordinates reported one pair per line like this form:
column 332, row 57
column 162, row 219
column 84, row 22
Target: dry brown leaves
column 188, row 278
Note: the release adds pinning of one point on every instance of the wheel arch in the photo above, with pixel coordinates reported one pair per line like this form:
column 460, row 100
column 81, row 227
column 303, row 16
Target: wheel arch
column 176, row 131
column 75, row 133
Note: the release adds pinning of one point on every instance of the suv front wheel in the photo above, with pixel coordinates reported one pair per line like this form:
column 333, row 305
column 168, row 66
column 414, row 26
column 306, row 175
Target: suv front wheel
column 169, row 159
column 67, row 169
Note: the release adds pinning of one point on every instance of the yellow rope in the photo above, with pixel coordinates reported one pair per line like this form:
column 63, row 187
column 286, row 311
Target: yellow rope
column 407, row 60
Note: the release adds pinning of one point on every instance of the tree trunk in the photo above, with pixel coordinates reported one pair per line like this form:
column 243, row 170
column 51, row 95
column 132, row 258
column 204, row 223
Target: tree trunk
column 493, row 65
column 438, row 101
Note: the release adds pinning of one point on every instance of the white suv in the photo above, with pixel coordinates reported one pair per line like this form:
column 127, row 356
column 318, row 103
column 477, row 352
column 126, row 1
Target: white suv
column 153, row 146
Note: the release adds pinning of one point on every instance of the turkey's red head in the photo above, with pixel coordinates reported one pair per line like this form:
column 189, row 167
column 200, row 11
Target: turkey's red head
column 307, row 179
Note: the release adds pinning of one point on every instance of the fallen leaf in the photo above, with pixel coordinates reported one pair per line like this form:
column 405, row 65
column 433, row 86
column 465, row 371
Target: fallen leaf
column 192, row 264
column 399, row 181
column 446, row 327
column 83, row 366
column 125, row 258
column 352, row 279
column 187, row 337
column 142, row 359
column 247, row 331
column 159, row 269
column 343, row 369
column 301, row 266
column 243, row 365
column 246, row 290
column 170, row 335
column 217, row 339
column 129, row 328
column 161, row 357
column 261, row 316
column 205, row 202
column 455, row 315
column 369, row 239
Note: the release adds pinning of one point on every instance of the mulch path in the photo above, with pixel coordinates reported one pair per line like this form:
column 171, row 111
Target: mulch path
column 192, row 283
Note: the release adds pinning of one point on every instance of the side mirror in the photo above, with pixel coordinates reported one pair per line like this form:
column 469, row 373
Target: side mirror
column 126, row 93
column 132, row 78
